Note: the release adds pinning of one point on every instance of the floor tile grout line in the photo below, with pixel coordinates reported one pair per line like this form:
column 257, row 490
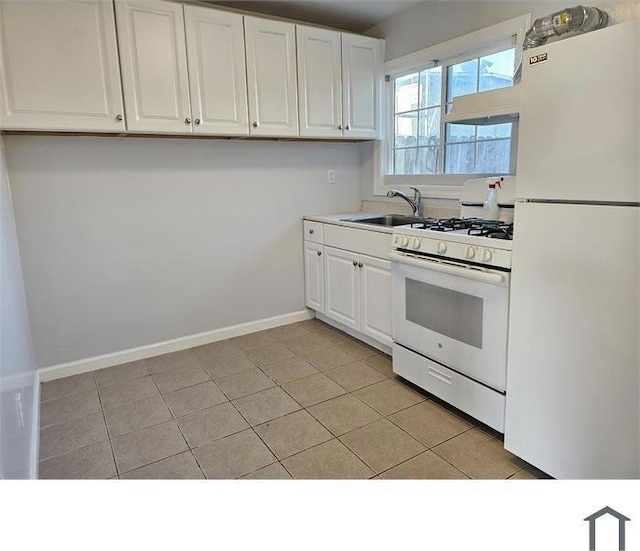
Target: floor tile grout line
column 167, row 421
column 320, row 444
column 433, row 449
column 426, row 451
column 157, row 461
column 104, row 419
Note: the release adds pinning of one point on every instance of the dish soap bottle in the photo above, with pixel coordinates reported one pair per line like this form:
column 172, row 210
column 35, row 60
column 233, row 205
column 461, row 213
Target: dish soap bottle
column 491, row 211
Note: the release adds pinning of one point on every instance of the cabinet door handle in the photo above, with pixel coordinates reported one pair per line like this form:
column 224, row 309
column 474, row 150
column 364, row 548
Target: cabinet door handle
column 355, row 264
column 319, row 253
column 360, row 264
column 310, row 231
column 339, row 127
column 119, row 118
column 187, row 120
column 346, row 127
column 255, row 124
column 198, row 122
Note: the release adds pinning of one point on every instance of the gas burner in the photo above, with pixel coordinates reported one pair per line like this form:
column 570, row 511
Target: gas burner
column 448, row 224
column 493, row 230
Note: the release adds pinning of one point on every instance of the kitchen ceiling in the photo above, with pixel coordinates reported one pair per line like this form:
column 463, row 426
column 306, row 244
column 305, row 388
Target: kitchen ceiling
column 350, row 15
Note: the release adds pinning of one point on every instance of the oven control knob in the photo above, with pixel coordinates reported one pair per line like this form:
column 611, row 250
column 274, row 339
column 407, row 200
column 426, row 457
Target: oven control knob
column 416, row 242
column 487, row 255
column 404, row 241
column 441, row 248
column 470, row 252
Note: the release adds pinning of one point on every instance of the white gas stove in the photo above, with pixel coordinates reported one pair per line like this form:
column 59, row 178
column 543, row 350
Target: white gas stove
column 450, row 286
column 469, row 238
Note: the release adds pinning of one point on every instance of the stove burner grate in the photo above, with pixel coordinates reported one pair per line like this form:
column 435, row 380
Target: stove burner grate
column 475, row 226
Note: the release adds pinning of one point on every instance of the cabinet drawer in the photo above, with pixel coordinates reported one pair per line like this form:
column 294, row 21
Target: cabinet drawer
column 477, row 400
column 372, row 243
column 313, row 231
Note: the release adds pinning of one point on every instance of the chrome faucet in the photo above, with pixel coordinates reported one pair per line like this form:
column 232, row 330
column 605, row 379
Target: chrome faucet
column 415, row 203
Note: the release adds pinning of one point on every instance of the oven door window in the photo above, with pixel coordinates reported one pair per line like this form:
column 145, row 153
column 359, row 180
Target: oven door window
column 456, row 315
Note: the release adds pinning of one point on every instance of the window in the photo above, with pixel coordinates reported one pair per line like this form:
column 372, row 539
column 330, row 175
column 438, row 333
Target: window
column 420, row 148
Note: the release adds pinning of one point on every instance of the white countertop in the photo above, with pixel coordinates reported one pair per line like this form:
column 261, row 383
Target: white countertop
column 337, row 219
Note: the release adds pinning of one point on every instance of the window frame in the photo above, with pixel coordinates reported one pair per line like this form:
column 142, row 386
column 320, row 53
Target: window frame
column 476, row 44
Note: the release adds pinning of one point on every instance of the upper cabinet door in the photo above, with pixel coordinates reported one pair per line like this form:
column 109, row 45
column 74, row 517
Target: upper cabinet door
column 271, row 77
column 153, row 57
column 59, row 66
column 217, row 73
column 319, row 82
column 362, row 74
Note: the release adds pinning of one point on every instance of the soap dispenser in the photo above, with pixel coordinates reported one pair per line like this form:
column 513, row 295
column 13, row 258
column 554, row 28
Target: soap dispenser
column 491, row 211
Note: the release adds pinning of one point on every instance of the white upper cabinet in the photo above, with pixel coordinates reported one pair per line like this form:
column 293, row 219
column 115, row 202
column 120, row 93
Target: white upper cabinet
column 217, row 74
column 319, row 82
column 271, row 77
column 153, row 58
column 59, row 67
column 361, row 75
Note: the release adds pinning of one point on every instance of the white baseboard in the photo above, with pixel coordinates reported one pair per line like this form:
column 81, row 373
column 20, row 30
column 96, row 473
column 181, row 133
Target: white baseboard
column 116, row 358
column 34, row 456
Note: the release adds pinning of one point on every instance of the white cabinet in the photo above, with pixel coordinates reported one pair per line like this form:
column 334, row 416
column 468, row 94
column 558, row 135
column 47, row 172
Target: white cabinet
column 375, row 296
column 153, row 58
column 271, row 77
column 217, row 74
column 362, row 79
column 339, row 81
column 182, row 72
column 342, row 286
column 314, row 276
column 358, row 292
column 59, row 67
column 348, row 279
column 319, row 82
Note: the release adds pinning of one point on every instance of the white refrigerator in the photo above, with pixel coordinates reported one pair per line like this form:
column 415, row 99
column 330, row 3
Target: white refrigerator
column 574, row 333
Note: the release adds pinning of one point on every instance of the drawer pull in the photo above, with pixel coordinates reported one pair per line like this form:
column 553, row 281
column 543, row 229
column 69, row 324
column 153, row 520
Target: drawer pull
column 440, row 376
column 310, row 231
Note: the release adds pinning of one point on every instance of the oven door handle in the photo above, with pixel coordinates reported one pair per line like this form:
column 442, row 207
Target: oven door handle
column 468, row 273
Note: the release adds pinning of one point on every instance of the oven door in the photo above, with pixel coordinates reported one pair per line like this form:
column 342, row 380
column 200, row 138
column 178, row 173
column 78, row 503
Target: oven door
column 453, row 314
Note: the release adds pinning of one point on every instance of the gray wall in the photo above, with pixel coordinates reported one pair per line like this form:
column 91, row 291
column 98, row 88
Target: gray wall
column 16, row 352
column 430, row 23
column 133, row 241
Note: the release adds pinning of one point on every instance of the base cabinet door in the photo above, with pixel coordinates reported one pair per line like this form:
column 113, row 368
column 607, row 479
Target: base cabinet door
column 217, row 74
column 59, row 67
column 361, row 73
column 271, row 77
column 342, row 286
column 153, row 57
column 314, row 276
column 375, row 295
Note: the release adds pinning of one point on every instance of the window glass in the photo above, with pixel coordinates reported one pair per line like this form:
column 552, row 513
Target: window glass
column 424, row 144
column 496, row 70
column 462, row 79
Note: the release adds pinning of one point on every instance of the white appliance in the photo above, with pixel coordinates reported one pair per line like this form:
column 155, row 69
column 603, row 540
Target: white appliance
column 450, row 289
column 572, row 386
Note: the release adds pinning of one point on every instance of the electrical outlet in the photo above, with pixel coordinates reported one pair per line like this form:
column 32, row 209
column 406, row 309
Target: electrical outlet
column 19, row 409
column 331, row 176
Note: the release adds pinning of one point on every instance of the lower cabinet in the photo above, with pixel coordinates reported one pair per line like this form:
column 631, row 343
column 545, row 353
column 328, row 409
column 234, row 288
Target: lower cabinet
column 314, row 276
column 375, row 299
column 358, row 292
column 346, row 285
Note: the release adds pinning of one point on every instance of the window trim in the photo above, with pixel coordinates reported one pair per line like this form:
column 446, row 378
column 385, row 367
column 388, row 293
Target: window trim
column 442, row 186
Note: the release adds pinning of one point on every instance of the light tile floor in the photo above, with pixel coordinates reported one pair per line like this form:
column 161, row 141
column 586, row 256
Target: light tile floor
column 298, row 401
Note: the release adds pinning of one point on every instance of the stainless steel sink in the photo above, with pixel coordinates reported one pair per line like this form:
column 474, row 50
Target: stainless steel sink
column 386, row 220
